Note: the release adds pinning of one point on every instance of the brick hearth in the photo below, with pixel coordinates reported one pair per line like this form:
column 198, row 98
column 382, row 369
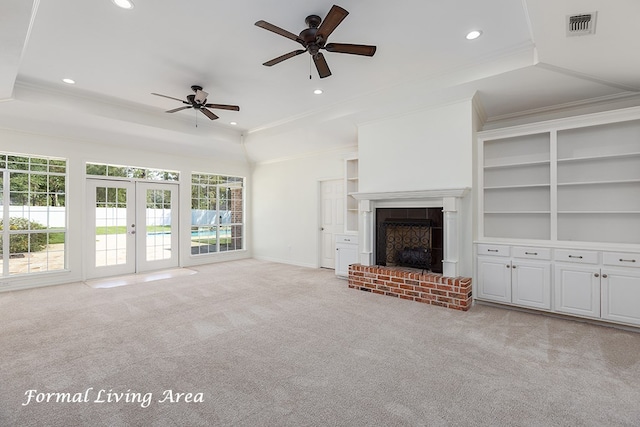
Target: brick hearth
column 411, row 284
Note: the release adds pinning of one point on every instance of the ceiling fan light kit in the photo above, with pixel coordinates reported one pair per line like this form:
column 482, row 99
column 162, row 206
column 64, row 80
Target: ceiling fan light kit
column 198, row 101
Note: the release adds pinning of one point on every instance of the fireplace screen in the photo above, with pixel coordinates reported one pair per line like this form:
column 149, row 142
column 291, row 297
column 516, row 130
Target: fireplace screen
column 405, row 243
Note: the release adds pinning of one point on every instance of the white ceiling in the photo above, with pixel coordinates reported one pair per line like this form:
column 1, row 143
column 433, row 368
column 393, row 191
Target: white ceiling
column 523, row 63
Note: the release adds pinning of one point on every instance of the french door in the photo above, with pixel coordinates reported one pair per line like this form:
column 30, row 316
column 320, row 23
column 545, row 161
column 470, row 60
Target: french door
column 132, row 226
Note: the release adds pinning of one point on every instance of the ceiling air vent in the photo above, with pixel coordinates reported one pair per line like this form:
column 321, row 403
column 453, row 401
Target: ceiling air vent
column 581, row 24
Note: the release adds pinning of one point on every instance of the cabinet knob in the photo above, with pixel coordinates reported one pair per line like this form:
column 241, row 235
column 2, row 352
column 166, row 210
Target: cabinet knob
column 513, row 267
column 604, row 276
column 507, row 266
column 596, row 275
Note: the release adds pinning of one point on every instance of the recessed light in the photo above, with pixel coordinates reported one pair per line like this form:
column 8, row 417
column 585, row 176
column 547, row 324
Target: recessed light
column 318, row 91
column 69, row 81
column 233, row 123
column 472, row 35
column 125, row 4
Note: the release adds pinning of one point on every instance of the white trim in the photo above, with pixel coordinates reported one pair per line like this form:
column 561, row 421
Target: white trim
column 419, row 195
column 605, row 117
column 447, row 199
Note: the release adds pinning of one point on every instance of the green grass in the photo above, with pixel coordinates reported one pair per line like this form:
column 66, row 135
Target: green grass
column 121, row 229
column 55, row 238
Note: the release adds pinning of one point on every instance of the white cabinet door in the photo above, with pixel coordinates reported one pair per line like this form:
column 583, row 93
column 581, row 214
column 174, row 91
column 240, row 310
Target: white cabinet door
column 531, row 284
column 577, row 290
column 494, row 278
column 621, row 295
column 346, row 253
column 345, row 256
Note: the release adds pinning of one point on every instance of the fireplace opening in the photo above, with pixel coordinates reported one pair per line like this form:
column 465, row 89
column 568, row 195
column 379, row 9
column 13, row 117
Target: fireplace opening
column 410, row 237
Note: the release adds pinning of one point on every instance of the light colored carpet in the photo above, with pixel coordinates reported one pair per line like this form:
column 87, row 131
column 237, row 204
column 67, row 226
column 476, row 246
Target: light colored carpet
column 275, row 345
column 132, row 279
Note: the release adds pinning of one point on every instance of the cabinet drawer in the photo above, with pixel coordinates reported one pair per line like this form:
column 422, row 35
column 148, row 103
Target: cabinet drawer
column 570, row 255
column 531, row 253
column 494, row 250
column 621, row 259
column 347, row 239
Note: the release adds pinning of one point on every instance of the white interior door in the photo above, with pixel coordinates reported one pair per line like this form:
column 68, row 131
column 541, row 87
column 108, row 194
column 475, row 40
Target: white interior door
column 332, row 221
column 131, row 227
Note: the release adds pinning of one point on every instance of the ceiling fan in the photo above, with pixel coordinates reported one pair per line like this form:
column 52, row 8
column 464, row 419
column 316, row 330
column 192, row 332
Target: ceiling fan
column 314, row 38
column 198, row 101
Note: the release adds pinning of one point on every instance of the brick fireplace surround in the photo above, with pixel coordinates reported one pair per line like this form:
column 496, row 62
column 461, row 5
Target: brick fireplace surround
column 412, row 284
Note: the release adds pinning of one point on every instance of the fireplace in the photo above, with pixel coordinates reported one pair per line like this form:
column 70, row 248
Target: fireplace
column 449, row 245
column 409, row 237
column 425, row 225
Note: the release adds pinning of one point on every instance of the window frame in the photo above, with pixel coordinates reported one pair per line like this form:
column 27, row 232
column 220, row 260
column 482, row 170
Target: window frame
column 49, row 167
column 231, row 230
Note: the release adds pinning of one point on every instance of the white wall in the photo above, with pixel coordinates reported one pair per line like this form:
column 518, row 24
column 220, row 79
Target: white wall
column 430, row 149
column 77, row 153
column 286, row 207
column 422, row 150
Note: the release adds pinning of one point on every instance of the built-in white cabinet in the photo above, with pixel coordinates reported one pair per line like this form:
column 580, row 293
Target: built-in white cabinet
column 517, row 275
column 571, row 189
column 620, row 287
column 346, row 253
column 577, row 282
column 351, row 203
column 591, row 284
column 590, row 287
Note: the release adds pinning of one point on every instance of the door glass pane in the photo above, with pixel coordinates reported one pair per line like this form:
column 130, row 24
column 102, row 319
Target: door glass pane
column 158, row 223
column 111, row 226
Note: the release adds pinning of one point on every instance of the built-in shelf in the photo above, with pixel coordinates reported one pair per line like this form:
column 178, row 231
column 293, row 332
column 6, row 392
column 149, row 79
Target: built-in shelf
column 598, row 212
column 566, row 192
column 604, row 157
column 621, row 181
column 505, row 187
column 518, row 165
column 515, row 212
column 574, row 179
column 351, row 203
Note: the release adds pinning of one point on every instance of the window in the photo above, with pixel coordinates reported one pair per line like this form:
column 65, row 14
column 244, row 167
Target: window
column 33, row 204
column 217, row 213
column 100, row 169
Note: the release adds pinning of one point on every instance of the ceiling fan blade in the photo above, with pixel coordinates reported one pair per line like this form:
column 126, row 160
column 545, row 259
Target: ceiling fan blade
column 354, row 49
column 208, row 113
column 321, row 65
column 223, row 107
column 178, row 109
column 331, row 21
column 281, row 58
column 170, row 97
column 278, row 30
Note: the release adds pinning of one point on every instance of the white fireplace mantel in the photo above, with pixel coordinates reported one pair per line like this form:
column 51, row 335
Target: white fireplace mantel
column 448, row 199
column 415, row 195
